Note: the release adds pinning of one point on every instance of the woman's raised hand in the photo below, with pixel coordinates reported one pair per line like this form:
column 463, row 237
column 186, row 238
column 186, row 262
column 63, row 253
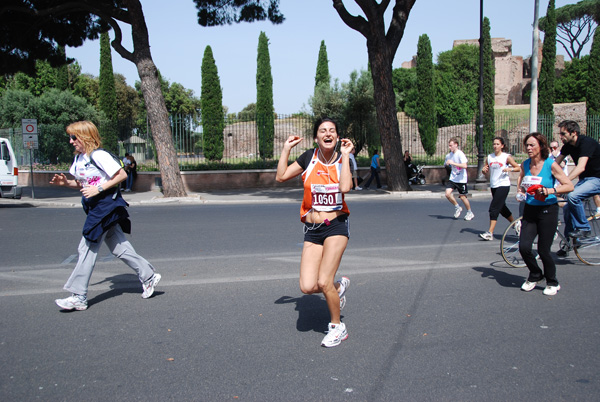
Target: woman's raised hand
column 346, row 146
column 292, row 141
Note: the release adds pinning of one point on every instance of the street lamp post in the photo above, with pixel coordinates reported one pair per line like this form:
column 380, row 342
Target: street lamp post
column 480, row 181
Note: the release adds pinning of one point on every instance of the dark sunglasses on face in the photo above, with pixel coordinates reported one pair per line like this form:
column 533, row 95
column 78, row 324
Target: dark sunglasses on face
column 73, row 137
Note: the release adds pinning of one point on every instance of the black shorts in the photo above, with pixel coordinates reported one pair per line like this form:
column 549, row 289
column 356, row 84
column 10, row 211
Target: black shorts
column 460, row 187
column 317, row 233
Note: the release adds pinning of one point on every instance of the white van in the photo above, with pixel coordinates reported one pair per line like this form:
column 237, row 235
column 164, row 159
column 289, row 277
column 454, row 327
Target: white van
column 9, row 171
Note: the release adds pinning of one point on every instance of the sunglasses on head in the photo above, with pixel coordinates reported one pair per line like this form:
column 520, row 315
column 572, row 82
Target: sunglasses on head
column 73, row 137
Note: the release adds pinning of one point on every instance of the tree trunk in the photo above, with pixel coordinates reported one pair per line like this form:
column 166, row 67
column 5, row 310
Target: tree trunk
column 387, row 117
column 381, row 48
column 172, row 182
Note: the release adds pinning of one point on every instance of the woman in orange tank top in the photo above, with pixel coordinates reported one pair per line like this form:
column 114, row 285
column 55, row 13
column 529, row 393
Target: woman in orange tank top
column 327, row 176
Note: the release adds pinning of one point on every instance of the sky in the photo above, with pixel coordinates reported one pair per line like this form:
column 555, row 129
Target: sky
column 178, row 42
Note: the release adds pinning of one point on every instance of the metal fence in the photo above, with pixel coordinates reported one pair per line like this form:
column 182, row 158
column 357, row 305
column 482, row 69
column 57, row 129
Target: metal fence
column 241, row 145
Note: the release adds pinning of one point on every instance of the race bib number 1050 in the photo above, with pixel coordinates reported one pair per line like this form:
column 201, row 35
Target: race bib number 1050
column 326, row 197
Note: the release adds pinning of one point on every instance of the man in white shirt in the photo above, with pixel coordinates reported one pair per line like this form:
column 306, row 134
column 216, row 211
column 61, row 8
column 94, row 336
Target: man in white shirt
column 457, row 160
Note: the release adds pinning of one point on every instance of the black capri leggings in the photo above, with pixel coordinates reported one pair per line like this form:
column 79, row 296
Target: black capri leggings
column 539, row 221
column 498, row 204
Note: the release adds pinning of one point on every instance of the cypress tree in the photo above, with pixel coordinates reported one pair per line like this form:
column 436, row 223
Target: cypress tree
column 488, row 88
column 547, row 74
column 265, row 120
column 107, row 95
column 425, row 114
column 593, row 89
column 322, row 77
column 62, row 73
column 213, row 116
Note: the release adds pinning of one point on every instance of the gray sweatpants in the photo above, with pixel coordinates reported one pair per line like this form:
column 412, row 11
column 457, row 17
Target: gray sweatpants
column 120, row 247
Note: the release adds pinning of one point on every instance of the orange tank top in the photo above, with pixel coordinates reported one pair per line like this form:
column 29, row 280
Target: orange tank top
column 322, row 187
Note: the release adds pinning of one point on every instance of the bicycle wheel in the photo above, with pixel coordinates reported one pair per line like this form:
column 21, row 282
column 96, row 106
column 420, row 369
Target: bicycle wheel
column 588, row 248
column 509, row 246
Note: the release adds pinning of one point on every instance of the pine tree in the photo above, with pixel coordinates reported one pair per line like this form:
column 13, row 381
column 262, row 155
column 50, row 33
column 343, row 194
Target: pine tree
column 213, row 117
column 488, row 88
column 107, row 95
column 426, row 115
column 547, row 74
column 322, row 77
column 593, row 89
column 265, row 120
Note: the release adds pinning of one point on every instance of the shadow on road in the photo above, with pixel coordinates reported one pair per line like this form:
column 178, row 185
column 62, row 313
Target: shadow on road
column 504, row 279
column 119, row 285
column 313, row 314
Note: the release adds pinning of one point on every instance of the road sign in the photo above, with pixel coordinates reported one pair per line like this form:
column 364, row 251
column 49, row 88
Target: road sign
column 29, row 126
column 30, row 141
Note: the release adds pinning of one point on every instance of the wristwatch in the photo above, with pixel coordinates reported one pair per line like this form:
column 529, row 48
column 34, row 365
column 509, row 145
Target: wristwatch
column 100, row 189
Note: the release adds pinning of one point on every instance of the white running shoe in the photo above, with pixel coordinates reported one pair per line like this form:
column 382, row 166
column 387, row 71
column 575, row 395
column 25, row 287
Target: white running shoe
column 73, row 302
column 457, row 211
column 336, row 334
column 344, row 285
column 470, row 215
column 551, row 290
column 486, row 236
column 528, row 286
column 149, row 286
column 358, row 188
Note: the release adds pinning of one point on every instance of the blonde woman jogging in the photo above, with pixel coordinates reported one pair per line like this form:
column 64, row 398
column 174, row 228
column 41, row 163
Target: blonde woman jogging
column 97, row 175
column 327, row 177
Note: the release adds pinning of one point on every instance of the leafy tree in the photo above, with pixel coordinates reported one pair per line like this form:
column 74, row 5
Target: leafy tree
column 381, row 48
column 576, row 24
column 322, row 76
column 265, row 120
column 70, row 23
column 181, row 100
column 127, row 100
column 213, row 119
column 248, row 113
column 107, row 96
column 54, row 110
column 457, row 85
column 426, row 96
column 573, row 82
column 547, row 73
column 593, row 89
column 42, row 79
column 405, row 86
column 360, row 118
column 329, row 101
column 352, row 106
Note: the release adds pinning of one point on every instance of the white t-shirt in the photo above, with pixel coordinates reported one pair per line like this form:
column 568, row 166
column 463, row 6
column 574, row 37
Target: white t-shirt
column 87, row 174
column 498, row 178
column 458, row 174
column 353, row 162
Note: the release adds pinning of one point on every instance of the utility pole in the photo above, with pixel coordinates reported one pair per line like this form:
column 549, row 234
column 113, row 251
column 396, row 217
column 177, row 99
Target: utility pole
column 533, row 100
column 480, row 181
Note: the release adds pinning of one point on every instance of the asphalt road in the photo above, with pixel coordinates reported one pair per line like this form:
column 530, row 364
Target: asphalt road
column 433, row 313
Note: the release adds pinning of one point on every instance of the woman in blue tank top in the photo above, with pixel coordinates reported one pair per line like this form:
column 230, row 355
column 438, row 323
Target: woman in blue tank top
column 540, row 216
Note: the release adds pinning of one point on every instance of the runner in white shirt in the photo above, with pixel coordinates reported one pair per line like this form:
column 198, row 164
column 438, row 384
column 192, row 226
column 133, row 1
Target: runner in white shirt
column 497, row 164
column 457, row 160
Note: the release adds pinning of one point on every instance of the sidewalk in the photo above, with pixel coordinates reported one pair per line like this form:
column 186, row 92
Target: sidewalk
column 65, row 197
